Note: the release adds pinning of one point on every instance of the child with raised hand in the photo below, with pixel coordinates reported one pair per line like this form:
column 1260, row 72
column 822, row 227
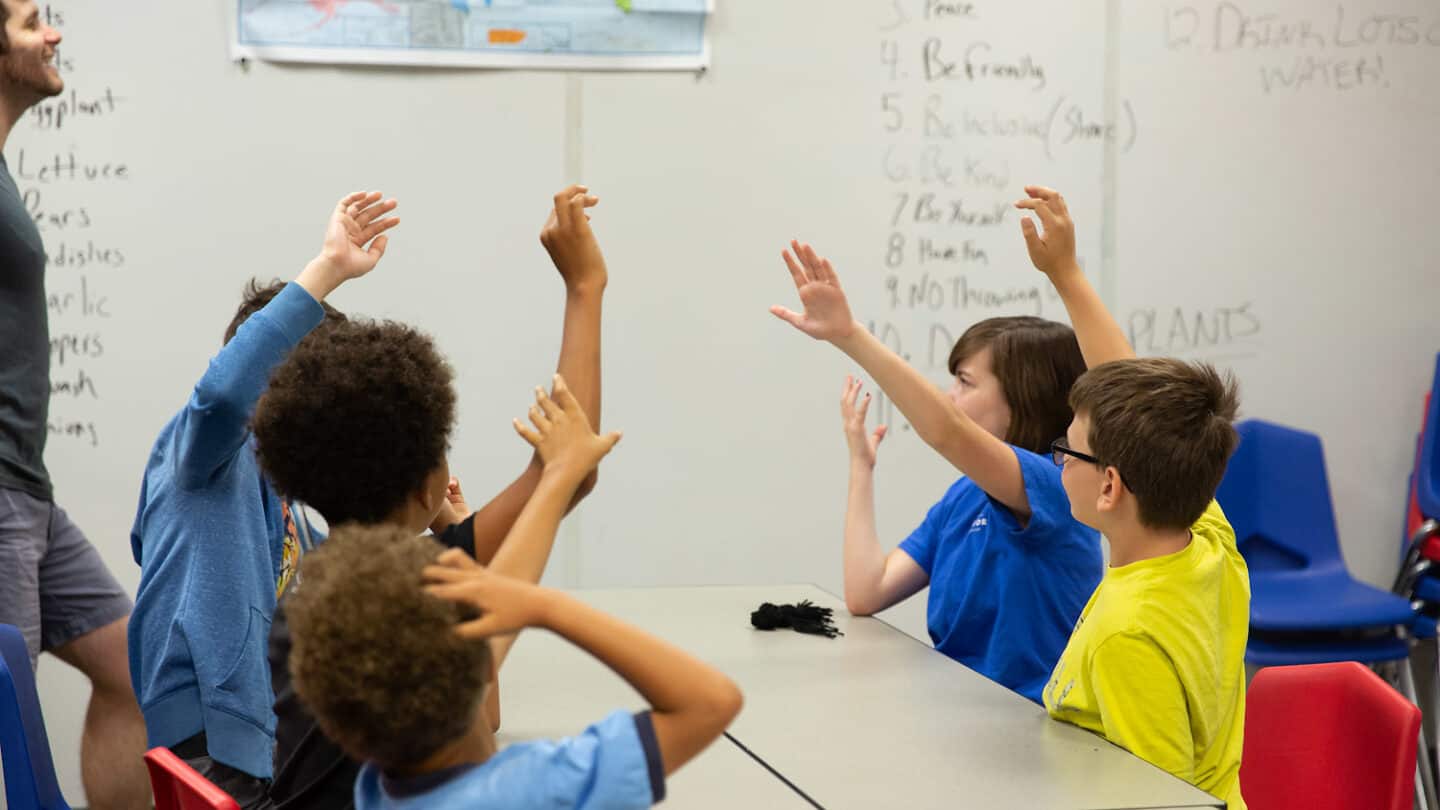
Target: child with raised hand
column 396, row 671
column 197, row 636
column 1008, row 567
column 358, row 427
column 1157, row 661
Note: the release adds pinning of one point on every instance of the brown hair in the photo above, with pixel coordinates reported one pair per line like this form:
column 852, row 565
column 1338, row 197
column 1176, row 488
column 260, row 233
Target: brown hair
column 1166, row 426
column 256, row 296
column 374, row 658
column 1036, row 362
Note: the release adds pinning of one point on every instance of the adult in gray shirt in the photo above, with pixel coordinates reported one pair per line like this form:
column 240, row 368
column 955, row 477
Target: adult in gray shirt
column 53, row 584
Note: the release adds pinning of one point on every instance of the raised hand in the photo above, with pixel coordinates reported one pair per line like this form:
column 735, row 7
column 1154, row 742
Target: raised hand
column 571, row 243
column 827, row 313
column 1053, row 251
column 562, row 434
column 863, row 446
column 354, row 240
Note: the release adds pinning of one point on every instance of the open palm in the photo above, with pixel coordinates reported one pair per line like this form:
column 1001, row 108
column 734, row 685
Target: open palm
column 826, row 313
column 353, row 238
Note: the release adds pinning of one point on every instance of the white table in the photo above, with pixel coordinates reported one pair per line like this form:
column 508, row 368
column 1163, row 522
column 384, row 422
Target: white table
column 873, row 719
column 550, row 689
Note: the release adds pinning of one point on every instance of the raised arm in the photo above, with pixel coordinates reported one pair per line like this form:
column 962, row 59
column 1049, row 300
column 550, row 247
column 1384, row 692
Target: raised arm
column 987, row 460
column 1053, row 253
column 569, row 451
column 874, row 580
column 215, row 421
column 571, row 243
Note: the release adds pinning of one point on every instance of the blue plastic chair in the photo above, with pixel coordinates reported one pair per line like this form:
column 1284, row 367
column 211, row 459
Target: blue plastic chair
column 1304, row 607
column 1417, row 578
column 1427, row 472
column 29, row 772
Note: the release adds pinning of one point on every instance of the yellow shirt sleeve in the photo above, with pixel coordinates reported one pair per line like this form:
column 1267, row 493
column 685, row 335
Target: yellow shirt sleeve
column 1142, row 703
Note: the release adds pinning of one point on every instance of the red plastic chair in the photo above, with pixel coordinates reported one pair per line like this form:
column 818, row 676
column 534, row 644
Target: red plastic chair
column 1327, row 737
column 177, row 786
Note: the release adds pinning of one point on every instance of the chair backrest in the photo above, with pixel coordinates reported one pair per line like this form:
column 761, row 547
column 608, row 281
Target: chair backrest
column 1413, row 516
column 1427, row 472
column 1277, row 497
column 1327, row 737
column 29, row 771
column 177, row 786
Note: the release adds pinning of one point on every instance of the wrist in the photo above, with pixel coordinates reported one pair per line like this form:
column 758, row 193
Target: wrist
column 590, row 287
column 319, row 278
column 548, row 608
column 561, row 474
column 1065, row 272
column 860, row 465
column 846, row 339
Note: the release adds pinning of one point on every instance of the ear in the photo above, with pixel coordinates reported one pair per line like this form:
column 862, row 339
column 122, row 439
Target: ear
column 430, row 497
column 1112, row 491
column 425, row 497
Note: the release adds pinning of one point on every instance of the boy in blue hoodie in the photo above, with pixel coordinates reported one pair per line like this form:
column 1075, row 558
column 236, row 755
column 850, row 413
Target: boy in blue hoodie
column 202, row 613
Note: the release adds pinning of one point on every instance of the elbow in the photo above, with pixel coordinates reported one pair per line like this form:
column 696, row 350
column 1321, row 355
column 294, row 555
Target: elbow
column 859, row 607
column 220, row 403
column 860, row 604
column 727, row 702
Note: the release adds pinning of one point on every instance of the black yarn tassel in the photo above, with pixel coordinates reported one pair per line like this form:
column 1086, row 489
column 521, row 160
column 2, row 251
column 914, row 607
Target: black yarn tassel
column 805, row 617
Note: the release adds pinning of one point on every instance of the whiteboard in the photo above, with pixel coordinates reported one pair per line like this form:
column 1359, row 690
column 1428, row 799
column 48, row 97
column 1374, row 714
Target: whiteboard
column 733, row 465
column 1264, row 220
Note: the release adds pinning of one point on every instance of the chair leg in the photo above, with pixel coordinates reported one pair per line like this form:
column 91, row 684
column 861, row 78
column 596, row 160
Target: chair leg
column 1425, row 786
column 1425, row 672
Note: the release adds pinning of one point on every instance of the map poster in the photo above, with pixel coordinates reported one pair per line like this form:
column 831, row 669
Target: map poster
column 563, row 34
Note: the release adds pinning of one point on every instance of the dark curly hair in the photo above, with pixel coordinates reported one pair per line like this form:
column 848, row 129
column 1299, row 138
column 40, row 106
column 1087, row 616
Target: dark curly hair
column 356, row 419
column 257, row 295
column 374, row 658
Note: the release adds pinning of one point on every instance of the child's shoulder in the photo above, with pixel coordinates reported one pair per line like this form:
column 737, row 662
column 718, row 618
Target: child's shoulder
column 1213, row 525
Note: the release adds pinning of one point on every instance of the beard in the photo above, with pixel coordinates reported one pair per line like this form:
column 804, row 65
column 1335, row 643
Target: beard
column 28, row 75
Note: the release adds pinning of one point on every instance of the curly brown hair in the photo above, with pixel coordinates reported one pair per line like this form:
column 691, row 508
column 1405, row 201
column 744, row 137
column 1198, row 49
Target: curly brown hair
column 356, row 420
column 374, row 658
column 1036, row 362
column 1166, row 425
column 257, row 295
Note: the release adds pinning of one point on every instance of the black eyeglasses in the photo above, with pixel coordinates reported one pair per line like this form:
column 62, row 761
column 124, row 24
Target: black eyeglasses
column 1059, row 450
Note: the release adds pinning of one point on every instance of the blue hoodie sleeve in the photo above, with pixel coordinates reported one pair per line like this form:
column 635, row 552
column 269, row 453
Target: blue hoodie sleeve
column 214, row 423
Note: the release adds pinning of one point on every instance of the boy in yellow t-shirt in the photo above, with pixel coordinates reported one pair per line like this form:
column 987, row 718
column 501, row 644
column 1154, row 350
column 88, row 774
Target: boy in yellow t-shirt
column 1156, row 663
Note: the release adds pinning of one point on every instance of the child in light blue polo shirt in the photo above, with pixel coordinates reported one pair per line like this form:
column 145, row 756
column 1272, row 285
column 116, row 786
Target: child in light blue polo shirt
column 614, row 763
column 391, row 653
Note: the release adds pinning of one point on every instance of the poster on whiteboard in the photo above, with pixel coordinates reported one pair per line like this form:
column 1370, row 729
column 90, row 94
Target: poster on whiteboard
column 561, row 34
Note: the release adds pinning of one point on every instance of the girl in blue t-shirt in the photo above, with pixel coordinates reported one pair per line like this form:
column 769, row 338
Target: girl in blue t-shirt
column 1009, row 568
